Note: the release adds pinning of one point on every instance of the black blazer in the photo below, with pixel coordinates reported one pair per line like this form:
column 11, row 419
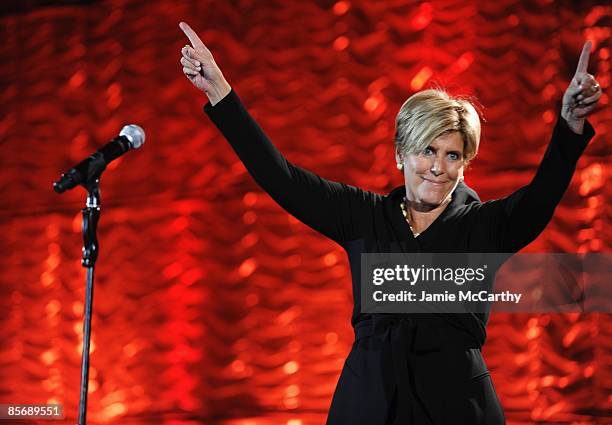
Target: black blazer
column 408, row 368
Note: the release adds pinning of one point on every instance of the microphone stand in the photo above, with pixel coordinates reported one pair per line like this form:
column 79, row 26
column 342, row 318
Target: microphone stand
column 87, row 173
column 91, row 215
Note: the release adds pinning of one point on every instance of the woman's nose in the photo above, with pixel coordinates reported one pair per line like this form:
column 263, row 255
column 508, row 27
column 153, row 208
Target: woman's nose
column 437, row 167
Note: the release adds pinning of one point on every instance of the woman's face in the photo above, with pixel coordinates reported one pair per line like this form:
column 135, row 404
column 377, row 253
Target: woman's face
column 432, row 175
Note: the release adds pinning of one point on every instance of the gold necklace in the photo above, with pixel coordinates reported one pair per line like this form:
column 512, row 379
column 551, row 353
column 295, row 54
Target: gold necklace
column 405, row 213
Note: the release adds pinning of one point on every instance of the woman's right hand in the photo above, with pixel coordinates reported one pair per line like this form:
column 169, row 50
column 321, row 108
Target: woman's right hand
column 201, row 69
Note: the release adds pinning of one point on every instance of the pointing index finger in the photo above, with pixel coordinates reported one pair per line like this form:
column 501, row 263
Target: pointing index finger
column 191, row 35
column 583, row 62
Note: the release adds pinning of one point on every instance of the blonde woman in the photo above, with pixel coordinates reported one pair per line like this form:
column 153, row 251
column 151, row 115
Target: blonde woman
column 418, row 369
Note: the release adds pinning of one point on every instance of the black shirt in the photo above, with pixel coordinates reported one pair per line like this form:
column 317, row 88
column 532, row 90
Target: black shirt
column 444, row 379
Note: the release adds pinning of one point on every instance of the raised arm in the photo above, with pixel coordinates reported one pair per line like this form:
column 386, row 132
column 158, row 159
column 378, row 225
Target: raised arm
column 334, row 209
column 516, row 220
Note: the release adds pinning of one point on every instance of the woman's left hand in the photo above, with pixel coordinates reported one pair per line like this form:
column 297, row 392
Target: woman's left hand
column 582, row 95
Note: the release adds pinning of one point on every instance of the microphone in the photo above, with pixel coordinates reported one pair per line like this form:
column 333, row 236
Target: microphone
column 131, row 136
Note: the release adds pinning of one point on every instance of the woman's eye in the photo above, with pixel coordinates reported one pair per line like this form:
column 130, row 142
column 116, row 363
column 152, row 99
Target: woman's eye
column 453, row 156
column 427, row 151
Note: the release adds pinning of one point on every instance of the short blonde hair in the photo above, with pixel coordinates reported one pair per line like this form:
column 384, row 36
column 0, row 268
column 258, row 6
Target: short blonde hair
column 431, row 113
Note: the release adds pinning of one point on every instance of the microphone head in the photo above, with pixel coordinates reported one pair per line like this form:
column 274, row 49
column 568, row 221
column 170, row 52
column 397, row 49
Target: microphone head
column 135, row 134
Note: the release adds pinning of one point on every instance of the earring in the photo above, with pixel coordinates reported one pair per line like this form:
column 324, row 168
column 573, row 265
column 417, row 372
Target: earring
column 400, row 166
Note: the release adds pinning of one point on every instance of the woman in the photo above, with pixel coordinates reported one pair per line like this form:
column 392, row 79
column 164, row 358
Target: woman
column 410, row 369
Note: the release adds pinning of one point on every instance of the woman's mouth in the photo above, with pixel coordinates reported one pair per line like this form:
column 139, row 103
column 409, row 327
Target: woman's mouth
column 435, row 182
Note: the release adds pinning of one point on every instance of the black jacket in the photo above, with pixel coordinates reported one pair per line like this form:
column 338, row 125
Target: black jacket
column 433, row 361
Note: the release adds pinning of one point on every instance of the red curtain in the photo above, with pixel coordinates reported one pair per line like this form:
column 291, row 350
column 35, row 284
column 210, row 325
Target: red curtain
column 211, row 303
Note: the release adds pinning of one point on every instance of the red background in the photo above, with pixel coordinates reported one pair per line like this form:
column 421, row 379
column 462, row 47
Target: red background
column 211, row 303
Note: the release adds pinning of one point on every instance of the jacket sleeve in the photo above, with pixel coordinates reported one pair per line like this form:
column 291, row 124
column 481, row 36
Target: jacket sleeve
column 328, row 207
column 516, row 220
